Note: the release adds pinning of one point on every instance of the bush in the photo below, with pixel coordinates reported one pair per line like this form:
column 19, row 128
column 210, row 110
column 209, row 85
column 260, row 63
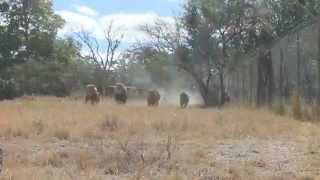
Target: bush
column 296, row 106
column 44, row 78
column 279, row 109
column 62, row 134
column 8, row 89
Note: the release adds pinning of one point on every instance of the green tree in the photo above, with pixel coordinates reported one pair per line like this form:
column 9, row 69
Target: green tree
column 215, row 37
column 28, row 30
column 57, row 75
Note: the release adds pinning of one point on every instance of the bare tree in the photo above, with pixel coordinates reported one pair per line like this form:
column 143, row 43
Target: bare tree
column 173, row 40
column 163, row 37
column 102, row 53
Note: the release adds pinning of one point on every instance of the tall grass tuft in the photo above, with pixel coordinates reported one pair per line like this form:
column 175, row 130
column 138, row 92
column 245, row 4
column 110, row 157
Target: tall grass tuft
column 296, row 106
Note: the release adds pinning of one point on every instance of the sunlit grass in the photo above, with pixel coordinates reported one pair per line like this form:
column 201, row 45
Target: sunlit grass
column 120, row 133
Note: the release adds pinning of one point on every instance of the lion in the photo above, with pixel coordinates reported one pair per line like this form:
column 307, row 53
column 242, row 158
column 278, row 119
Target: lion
column 184, row 100
column 120, row 94
column 92, row 94
column 153, row 98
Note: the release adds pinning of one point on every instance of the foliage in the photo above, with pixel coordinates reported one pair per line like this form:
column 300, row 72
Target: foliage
column 211, row 39
column 56, row 75
column 41, row 78
column 296, row 106
column 8, row 89
column 27, row 30
column 31, row 53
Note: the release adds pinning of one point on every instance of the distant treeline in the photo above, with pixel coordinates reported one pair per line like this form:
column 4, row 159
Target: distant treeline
column 253, row 51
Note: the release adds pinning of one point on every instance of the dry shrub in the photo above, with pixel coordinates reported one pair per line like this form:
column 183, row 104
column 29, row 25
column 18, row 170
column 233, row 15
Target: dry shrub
column 159, row 126
column 171, row 146
column 315, row 110
column 50, row 158
column 312, row 112
column 62, row 133
column 38, row 127
column 84, row 161
column 296, row 106
column 198, row 156
column 93, row 134
column 111, row 123
column 244, row 172
column 300, row 109
column 64, row 155
column 16, row 132
column 131, row 157
column 185, row 126
column 279, row 108
column 305, row 111
column 54, row 160
column 174, row 176
column 307, row 178
column 313, row 146
column 135, row 127
column 234, row 174
column 175, row 125
column 127, row 152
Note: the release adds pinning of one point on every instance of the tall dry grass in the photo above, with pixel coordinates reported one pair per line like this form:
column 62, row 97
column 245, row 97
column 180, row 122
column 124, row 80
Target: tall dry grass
column 73, row 120
column 130, row 139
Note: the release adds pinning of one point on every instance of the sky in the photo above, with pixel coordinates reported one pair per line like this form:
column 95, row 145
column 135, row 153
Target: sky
column 94, row 15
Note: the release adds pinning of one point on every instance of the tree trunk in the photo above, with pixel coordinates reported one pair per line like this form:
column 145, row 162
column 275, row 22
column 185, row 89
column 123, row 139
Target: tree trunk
column 251, row 82
column 298, row 64
column 221, row 73
column 26, row 24
column 260, row 82
column 281, row 79
column 207, row 95
column 203, row 83
column 270, row 75
column 265, row 84
column 243, row 86
column 210, row 96
column 222, row 88
column 287, row 86
column 204, row 91
column 207, row 85
column 318, row 93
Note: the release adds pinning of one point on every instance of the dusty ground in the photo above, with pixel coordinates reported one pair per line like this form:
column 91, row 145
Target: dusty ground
column 50, row 138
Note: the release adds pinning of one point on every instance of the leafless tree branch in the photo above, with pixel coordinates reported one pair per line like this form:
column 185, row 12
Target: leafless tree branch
column 104, row 59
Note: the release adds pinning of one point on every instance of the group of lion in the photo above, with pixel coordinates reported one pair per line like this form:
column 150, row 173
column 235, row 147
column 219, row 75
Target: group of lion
column 121, row 97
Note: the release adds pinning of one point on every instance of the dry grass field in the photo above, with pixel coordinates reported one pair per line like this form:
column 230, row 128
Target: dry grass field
column 64, row 139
